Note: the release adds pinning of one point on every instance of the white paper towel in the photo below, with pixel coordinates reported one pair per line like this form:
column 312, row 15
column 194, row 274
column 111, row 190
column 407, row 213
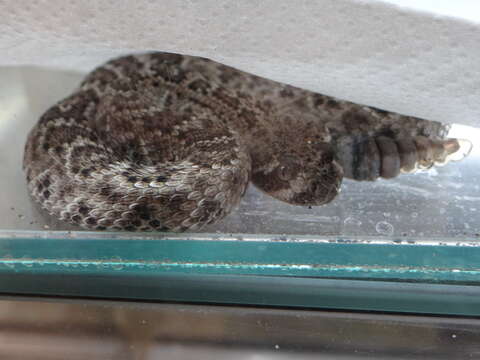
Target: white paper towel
column 370, row 52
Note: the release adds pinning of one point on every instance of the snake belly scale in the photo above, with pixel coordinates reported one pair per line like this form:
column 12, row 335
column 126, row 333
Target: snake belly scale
column 161, row 141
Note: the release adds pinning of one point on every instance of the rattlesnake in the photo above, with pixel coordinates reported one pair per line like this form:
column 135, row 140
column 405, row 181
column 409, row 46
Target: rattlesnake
column 162, row 141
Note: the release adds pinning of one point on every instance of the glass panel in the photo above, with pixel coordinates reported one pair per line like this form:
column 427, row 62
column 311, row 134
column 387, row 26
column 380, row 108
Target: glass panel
column 439, row 203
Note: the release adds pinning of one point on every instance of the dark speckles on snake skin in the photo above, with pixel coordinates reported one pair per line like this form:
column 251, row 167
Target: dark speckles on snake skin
column 162, row 141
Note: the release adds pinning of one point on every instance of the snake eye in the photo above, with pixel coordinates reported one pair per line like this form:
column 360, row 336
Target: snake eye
column 288, row 170
column 283, row 173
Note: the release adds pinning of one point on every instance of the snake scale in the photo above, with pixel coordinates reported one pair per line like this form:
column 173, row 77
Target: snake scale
column 161, row 141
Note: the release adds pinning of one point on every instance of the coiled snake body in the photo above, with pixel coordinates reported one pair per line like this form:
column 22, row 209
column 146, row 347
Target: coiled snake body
column 162, row 141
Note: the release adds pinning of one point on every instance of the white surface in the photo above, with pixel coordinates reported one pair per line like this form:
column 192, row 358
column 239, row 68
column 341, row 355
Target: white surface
column 464, row 9
column 370, row 52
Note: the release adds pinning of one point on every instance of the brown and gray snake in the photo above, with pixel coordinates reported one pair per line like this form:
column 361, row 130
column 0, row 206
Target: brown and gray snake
column 169, row 142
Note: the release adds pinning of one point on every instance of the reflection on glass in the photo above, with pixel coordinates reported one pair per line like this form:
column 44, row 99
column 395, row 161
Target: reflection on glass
column 108, row 330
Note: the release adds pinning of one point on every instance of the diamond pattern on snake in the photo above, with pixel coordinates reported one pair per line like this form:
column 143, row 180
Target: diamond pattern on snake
column 168, row 142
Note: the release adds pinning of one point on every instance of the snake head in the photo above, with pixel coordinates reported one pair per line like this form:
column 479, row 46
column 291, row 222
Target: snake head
column 307, row 178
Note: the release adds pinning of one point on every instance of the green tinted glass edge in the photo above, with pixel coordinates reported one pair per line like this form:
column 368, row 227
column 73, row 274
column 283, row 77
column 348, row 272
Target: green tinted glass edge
column 436, row 278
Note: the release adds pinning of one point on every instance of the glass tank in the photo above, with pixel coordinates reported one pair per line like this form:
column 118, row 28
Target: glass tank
column 405, row 244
